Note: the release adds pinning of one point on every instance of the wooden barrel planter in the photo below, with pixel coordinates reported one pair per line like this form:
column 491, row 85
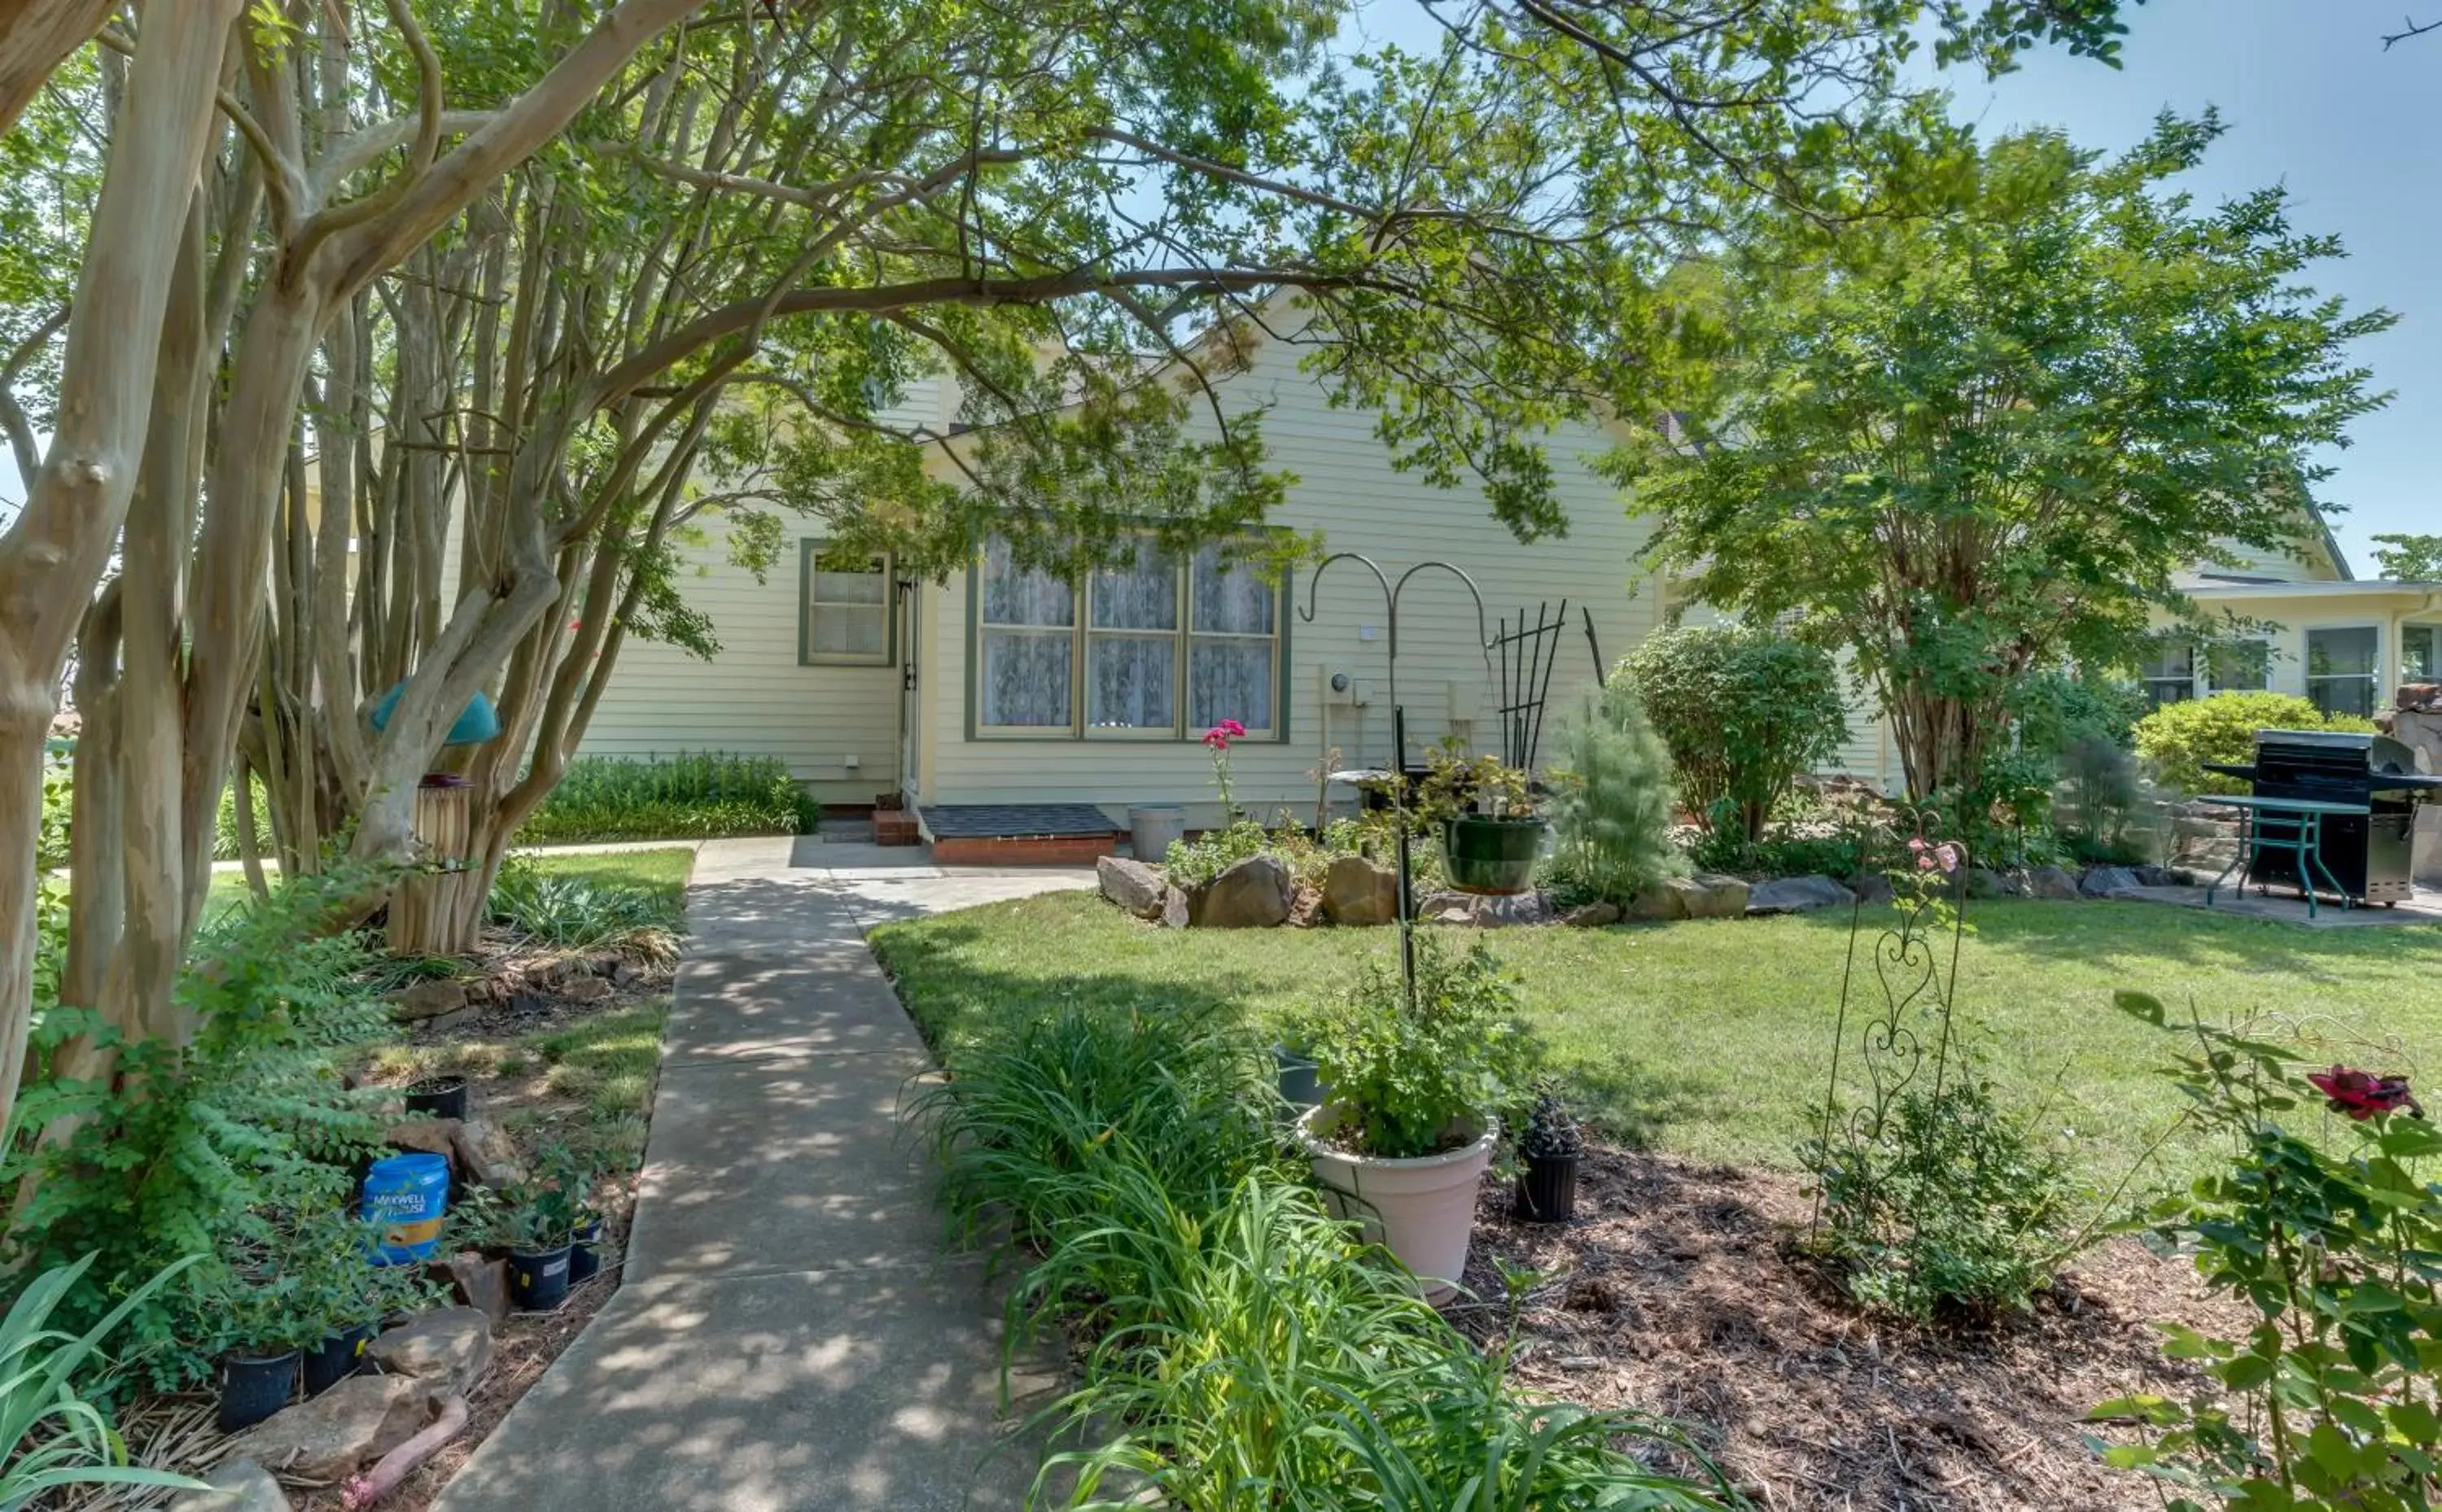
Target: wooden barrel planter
column 438, row 910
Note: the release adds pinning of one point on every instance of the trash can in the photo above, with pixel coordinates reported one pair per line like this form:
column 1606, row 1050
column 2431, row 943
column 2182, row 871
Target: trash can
column 1152, row 827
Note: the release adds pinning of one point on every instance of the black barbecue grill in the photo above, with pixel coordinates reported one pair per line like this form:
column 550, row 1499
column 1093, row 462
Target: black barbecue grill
column 2365, row 855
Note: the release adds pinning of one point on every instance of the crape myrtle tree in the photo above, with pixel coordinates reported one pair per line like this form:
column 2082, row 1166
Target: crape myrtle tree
column 557, row 281
column 1980, row 437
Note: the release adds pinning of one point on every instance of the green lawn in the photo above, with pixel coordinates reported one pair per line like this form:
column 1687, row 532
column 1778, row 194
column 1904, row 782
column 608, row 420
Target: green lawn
column 664, row 871
column 660, row 871
column 1709, row 1038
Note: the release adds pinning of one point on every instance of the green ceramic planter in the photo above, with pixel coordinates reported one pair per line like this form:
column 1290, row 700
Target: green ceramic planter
column 1492, row 856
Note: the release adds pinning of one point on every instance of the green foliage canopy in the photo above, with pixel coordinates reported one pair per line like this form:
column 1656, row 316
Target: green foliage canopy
column 1979, row 438
column 2410, row 558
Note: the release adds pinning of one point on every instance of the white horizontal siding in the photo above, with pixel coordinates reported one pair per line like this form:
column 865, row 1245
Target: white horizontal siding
column 753, row 698
column 2305, row 563
column 1347, row 489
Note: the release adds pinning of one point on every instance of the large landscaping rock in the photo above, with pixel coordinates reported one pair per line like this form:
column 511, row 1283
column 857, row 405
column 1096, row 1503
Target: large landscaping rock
column 1256, row 893
column 483, row 1154
column 1357, row 891
column 427, row 999
column 237, row 1485
column 1797, row 895
column 423, row 1135
column 1132, row 884
column 1983, row 881
column 1484, row 911
column 2106, row 881
column 449, row 1346
column 1707, row 895
column 340, row 1431
column 2053, row 882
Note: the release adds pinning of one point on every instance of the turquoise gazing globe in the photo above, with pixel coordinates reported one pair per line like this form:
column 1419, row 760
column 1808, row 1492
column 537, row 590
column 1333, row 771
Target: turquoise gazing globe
column 476, row 724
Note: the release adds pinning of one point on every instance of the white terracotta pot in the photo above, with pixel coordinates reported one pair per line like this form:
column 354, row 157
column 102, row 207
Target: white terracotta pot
column 1422, row 1210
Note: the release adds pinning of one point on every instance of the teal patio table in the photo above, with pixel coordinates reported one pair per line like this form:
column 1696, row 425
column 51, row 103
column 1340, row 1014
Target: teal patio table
column 2292, row 826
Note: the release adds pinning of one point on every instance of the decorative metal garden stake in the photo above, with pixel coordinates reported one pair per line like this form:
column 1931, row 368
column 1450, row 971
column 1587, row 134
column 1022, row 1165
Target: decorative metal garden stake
column 1398, row 773
column 1929, row 894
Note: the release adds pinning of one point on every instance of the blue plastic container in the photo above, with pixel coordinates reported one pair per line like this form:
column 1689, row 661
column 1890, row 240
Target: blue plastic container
column 406, row 1197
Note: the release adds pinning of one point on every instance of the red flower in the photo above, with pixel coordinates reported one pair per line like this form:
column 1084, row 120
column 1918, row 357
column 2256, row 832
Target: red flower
column 2362, row 1094
column 1219, row 737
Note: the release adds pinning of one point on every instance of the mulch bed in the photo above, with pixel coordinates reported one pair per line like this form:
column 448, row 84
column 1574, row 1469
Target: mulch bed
column 1676, row 1290
column 177, row 1430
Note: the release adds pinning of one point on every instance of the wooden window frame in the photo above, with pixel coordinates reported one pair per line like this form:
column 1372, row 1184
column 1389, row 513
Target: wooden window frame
column 1081, row 631
column 807, row 656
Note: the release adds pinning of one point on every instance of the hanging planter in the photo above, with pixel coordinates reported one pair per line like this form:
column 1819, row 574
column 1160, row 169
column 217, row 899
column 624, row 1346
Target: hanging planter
column 1493, row 856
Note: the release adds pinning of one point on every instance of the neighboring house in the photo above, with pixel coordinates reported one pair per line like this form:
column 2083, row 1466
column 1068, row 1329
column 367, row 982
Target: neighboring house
column 1011, row 689
column 2346, row 643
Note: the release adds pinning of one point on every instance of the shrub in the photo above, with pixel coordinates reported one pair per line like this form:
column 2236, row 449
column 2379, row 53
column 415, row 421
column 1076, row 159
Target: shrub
column 2104, row 817
column 2329, row 1402
column 2177, row 738
column 573, row 912
column 251, row 1120
column 1193, row 863
column 1931, row 1201
column 1745, row 713
column 1408, row 1076
column 691, row 795
column 1952, row 1208
column 1611, row 799
column 1807, row 837
column 224, row 835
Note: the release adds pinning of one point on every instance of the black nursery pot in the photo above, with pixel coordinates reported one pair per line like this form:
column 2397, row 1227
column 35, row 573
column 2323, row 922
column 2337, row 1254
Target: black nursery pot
column 538, row 1279
column 255, row 1386
column 336, row 1358
column 585, row 1256
column 1548, row 1192
column 437, row 1097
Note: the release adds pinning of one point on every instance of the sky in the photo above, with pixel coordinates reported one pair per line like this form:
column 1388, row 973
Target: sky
column 2314, row 103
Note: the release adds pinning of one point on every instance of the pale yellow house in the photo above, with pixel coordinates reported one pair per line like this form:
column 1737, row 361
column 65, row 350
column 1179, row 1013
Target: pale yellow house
column 2346, row 643
column 1001, row 687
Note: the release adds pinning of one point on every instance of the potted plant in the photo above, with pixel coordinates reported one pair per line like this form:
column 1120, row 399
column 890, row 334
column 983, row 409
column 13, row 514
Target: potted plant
column 1552, row 1148
column 585, row 1252
column 543, row 1222
column 1485, row 811
column 260, row 1322
column 1301, row 1083
column 338, row 1284
column 437, row 1096
column 1401, row 1144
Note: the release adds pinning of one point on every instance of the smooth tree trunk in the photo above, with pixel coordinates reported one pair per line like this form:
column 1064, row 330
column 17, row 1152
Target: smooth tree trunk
column 36, row 36
column 53, row 557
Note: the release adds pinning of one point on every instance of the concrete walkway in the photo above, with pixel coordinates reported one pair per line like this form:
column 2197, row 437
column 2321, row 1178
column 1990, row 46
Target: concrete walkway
column 788, row 1335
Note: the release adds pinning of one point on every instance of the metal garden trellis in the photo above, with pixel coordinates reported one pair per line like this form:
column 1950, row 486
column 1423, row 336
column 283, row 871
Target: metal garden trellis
column 1916, row 983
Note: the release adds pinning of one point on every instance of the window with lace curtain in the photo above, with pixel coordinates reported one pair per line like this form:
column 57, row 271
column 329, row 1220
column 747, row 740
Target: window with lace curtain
column 1147, row 648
